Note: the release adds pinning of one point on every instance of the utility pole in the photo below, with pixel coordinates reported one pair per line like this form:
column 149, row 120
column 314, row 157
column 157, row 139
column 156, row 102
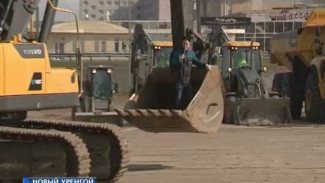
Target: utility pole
column 129, row 15
column 130, row 39
column 230, row 6
column 119, row 8
column 198, row 15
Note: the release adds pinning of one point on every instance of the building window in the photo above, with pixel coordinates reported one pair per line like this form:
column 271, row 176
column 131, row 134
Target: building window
column 93, row 7
column 74, row 46
column 96, row 46
column 138, row 16
column 138, row 7
column 108, row 14
column 108, row 3
column 116, row 3
column 85, row 2
column 82, row 46
column 116, row 45
column 56, row 48
column 93, row 16
column 124, row 3
column 101, row 3
column 86, row 11
column 101, row 12
column 61, row 47
column 124, row 46
column 104, row 46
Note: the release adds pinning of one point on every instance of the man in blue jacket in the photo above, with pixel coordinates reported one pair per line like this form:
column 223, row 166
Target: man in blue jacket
column 181, row 62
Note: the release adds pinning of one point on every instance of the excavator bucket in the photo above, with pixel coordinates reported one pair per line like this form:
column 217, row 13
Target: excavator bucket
column 152, row 109
column 263, row 111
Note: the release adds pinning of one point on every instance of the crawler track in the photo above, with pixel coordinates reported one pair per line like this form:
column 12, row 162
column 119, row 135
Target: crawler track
column 105, row 143
column 77, row 156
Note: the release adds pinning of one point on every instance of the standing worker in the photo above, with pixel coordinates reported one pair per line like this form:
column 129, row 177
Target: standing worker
column 242, row 62
column 181, row 62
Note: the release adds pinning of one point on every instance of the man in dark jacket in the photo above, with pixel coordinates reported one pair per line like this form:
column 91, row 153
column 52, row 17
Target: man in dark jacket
column 181, row 62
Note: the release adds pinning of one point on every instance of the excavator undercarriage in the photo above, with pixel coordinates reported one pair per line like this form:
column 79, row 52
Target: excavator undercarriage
column 28, row 152
column 104, row 149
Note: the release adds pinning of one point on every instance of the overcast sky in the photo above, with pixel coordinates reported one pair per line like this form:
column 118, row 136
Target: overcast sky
column 72, row 5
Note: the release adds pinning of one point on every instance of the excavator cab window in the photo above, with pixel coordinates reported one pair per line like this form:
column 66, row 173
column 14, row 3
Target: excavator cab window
column 161, row 56
column 245, row 57
column 101, row 83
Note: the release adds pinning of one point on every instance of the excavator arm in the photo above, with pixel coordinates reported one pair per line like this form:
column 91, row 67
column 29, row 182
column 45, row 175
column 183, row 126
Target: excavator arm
column 15, row 14
column 218, row 36
column 181, row 18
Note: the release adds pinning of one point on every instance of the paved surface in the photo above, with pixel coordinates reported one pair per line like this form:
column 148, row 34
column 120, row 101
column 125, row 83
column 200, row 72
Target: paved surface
column 234, row 154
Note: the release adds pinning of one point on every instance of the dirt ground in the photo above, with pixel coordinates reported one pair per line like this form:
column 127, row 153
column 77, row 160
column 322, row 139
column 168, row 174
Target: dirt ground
column 235, row 154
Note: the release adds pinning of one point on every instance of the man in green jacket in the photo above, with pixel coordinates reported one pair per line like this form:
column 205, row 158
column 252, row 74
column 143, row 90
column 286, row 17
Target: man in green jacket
column 242, row 62
column 181, row 62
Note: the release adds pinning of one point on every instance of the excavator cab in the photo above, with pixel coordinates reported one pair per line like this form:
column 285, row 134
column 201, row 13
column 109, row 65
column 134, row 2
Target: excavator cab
column 160, row 52
column 238, row 57
column 156, row 55
column 247, row 100
column 97, row 96
column 99, row 88
column 245, row 57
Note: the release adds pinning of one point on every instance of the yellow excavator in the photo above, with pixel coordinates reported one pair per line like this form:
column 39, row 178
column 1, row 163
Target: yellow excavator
column 36, row 148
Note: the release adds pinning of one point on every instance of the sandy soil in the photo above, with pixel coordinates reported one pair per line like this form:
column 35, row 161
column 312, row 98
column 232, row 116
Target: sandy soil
column 234, row 154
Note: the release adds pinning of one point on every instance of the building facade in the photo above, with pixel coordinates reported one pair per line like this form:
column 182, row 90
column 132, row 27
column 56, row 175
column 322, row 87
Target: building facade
column 95, row 37
column 102, row 9
column 268, row 17
column 229, row 7
column 106, row 10
column 145, row 10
